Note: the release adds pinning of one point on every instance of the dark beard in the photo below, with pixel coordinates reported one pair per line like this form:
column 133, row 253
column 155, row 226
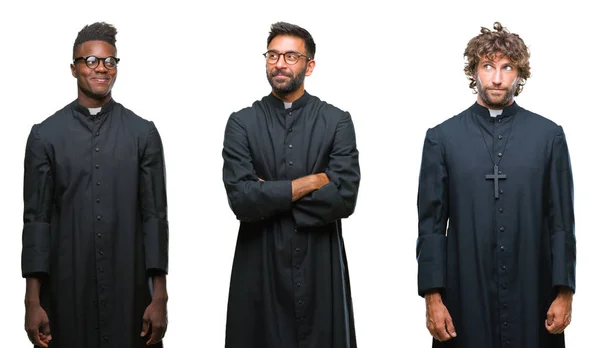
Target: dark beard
column 508, row 95
column 294, row 83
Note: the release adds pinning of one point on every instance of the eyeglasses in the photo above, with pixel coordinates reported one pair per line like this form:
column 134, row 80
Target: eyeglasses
column 92, row 62
column 290, row 57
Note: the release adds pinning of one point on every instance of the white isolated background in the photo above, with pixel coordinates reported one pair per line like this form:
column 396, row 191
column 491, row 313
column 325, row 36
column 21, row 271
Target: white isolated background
column 396, row 66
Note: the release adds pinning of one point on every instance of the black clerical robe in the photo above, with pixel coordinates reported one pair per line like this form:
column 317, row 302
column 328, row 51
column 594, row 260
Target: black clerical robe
column 95, row 223
column 289, row 283
column 499, row 261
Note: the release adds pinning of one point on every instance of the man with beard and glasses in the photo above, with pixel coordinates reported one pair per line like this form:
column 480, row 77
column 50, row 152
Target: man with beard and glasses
column 95, row 235
column 496, row 245
column 291, row 174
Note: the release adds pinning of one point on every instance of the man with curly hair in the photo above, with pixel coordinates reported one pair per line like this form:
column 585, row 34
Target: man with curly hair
column 496, row 245
column 95, row 234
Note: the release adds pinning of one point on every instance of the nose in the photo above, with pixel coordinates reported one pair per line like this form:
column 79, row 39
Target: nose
column 101, row 67
column 497, row 77
column 281, row 62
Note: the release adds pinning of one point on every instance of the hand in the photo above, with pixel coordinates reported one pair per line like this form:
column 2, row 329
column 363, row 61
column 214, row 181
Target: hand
column 439, row 321
column 155, row 317
column 36, row 319
column 321, row 180
column 261, row 180
column 558, row 316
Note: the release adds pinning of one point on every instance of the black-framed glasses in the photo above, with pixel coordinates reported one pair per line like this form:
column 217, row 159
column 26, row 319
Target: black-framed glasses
column 92, row 62
column 290, row 57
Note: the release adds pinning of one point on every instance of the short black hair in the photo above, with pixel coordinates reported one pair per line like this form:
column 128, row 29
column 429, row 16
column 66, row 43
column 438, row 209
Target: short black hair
column 283, row 28
column 97, row 31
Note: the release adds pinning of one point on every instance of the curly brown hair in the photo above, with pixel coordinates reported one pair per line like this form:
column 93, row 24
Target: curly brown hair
column 488, row 44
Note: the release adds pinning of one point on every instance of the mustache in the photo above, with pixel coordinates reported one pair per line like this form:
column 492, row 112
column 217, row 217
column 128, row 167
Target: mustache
column 488, row 88
column 280, row 72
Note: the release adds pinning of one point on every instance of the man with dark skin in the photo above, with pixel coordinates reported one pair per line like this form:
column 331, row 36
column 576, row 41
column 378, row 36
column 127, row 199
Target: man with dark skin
column 95, row 256
column 496, row 246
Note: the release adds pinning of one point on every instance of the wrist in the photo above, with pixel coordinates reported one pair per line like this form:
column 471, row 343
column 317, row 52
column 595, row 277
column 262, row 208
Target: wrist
column 433, row 296
column 160, row 298
column 321, row 180
column 565, row 292
column 32, row 302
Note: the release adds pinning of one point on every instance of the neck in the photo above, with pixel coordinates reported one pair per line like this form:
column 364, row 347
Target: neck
column 494, row 107
column 91, row 102
column 290, row 97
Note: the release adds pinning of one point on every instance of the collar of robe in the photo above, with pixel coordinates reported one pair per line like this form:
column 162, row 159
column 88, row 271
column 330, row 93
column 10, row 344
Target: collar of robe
column 485, row 112
column 278, row 103
column 86, row 112
column 82, row 114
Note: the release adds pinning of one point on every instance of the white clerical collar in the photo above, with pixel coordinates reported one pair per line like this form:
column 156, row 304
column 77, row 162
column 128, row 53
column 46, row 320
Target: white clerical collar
column 94, row 111
column 287, row 105
column 494, row 113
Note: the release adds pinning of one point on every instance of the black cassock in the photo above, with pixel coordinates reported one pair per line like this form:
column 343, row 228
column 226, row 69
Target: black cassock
column 95, row 223
column 501, row 260
column 289, row 283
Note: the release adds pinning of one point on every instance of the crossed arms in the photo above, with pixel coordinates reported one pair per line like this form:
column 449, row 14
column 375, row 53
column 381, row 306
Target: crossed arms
column 314, row 200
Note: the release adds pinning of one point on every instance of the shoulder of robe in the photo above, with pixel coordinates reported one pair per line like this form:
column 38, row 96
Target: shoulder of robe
column 129, row 115
column 139, row 123
column 450, row 123
column 248, row 113
column 542, row 125
column 53, row 123
column 327, row 110
column 448, row 127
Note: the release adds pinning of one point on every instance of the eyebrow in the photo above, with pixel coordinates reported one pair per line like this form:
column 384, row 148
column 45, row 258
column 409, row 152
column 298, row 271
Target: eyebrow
column 487, row 61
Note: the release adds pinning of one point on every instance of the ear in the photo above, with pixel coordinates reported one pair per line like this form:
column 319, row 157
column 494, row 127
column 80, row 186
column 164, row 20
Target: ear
column 310, row 66
column 73, row 70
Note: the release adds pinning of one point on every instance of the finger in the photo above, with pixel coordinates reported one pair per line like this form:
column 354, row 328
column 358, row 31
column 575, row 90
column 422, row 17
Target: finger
column 44, row 339
column 160, row 332
column 441, row 332
column 145, row 327
column 46, row 328
column 36, row 340
column 561, row 328
column 155, row 336
column 555, row 327
column 450, row 327
column 431, row 328
column 435, row 335
column 33, row 336
column 549, row 326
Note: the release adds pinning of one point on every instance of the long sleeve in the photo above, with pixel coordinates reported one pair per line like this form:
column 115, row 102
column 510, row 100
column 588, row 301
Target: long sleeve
column 432, row 205
column 250, row 199
column 38, row 190
column 153, row 203
column 561, row 215
column 337, row 199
